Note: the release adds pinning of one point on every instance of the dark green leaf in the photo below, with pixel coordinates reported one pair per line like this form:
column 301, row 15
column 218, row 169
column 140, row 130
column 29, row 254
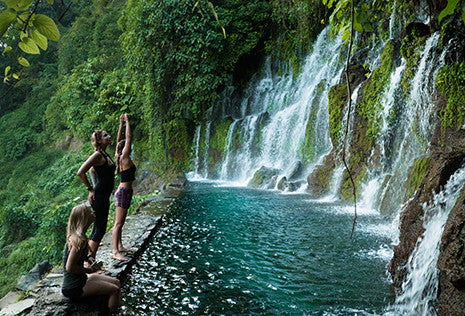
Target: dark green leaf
column 450, row 8
column 6, row 18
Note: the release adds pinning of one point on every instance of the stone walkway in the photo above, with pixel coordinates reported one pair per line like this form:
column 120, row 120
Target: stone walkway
column 46, row 298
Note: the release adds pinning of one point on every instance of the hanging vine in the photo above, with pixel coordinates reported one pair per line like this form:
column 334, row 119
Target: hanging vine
column 346, row 131
column 339, row 27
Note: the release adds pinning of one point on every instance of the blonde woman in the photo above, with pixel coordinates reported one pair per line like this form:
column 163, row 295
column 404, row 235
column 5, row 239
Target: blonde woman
column 103, row 171
column 123, row 195
column 78, row 281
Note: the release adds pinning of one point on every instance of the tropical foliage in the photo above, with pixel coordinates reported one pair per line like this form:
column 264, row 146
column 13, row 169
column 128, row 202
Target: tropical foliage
column 71, row 67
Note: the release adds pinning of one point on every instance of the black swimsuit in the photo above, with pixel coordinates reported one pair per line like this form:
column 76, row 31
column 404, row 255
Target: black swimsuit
column 103, row 186
column 73, row 283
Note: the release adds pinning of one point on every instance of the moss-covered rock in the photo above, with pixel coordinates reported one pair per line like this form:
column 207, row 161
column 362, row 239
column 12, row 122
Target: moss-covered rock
column 264, row 178
column 370, row 107
column 319, row 181
column 337, row 98
column 420, row 169
column 308, row 147
column 179, row 143
column 413, row 41
column 218, row 135
column 450, row 81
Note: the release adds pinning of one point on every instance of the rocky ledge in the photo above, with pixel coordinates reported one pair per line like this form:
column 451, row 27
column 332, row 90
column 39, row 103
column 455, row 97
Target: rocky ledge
column 42, row 295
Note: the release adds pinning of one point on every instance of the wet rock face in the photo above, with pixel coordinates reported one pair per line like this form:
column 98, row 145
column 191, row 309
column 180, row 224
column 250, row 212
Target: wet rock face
column 411, row 221
column 451, row 263
column 447, row 155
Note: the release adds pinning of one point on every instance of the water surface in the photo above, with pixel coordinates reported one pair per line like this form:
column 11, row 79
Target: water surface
column 238, row 251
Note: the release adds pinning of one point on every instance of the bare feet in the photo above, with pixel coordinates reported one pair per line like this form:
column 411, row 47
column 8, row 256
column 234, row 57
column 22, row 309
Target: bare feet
column 122, row 249
column 120, row 257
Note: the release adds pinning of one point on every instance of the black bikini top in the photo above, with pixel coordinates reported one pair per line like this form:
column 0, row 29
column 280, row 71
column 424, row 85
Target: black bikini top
column 129, row 174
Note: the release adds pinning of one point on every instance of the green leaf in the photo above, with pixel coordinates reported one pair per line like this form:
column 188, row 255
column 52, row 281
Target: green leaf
column 23, row 17
column 50, row 2
column 24, row 4
column 11, row 3
column 28, row 46
column 212, row 10
column 7, row 70
column 6, row 18
column 39, row 39
column 16, row 76
column 357, row 25
column 46, row 27
column 7, row 50
column 23, row 62
column 450, row 8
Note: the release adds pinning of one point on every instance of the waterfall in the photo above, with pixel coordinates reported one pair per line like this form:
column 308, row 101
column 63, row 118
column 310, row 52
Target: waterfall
column 277, row 113
column 421, row 284
column 196, row 148
column 403, row 138
column 205, row 154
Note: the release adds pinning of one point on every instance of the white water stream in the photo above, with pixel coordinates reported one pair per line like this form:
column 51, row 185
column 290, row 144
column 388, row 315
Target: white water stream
column 421, row 285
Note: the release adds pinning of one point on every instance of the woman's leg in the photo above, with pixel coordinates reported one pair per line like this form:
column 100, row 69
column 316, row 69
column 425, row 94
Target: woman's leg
column 99, row 284
column 101, row 206
column 120, row 218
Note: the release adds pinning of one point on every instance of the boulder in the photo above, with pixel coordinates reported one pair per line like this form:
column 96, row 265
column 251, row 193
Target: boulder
column 27, row 282
column 264, row 178
column 296, row 171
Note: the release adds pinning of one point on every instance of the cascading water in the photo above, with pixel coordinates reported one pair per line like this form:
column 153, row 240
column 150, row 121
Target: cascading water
column 278, row 112
column 277, row 116
column 407, row 125
column 421, row 285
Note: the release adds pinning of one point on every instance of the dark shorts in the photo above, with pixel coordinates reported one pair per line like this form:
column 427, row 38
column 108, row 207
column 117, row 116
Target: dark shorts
column 123, row 197
column 72, row 293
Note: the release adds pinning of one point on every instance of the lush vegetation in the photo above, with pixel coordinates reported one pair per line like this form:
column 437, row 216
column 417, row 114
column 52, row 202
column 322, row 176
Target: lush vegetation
column 71, row 69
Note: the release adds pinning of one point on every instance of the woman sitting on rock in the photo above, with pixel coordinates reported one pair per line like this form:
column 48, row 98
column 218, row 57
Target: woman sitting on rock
column 78, row 281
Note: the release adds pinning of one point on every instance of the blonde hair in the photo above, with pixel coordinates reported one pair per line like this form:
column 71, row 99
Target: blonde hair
column 77, row 226
column 96, row 138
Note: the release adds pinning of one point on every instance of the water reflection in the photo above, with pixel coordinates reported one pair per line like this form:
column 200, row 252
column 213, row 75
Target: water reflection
column 239, row 251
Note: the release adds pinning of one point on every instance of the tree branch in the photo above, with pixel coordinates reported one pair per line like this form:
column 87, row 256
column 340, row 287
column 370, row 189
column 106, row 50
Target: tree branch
column 36, row 4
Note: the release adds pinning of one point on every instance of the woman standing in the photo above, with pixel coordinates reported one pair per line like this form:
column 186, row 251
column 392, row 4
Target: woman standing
column 103, row 171
column 76, row 283
column 123, row 195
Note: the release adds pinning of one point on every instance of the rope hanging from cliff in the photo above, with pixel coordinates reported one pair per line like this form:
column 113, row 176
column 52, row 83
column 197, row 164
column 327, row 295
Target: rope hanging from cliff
column 346, row 131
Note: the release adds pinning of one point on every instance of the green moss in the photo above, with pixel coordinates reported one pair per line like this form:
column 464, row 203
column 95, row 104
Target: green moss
column 346, row 188
column 179, row 141
column 419, row 172
column 219, row 135
column 410, row 49
column 370, row 108
column 451, row 83
column 337, row 98
column 324, row 177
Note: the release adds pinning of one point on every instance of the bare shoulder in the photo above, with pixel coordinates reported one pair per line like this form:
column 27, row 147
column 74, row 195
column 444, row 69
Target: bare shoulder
column 97, row 158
